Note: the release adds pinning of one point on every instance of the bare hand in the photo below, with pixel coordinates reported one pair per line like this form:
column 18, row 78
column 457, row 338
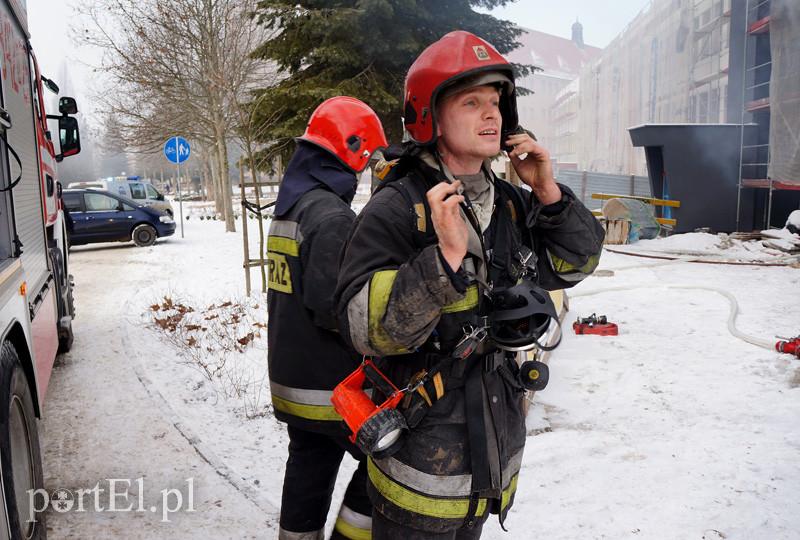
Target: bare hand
column 450, row 227
column 535, row 170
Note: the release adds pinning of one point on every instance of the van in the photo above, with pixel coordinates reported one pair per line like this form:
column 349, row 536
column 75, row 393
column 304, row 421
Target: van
column 141, row 191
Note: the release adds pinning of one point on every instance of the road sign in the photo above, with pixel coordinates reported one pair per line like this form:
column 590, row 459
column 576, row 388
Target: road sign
column 177, row 149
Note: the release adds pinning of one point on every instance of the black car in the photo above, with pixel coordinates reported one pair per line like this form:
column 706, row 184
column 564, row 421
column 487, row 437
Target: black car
column 100, row 216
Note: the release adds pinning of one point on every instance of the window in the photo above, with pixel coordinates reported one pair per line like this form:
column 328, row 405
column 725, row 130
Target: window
column 73, row 202
column 151, row 192
column 97, row 202
column 137, row 191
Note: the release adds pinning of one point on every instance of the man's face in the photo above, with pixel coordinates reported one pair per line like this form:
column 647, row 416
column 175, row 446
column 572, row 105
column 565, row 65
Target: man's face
column 469, row 123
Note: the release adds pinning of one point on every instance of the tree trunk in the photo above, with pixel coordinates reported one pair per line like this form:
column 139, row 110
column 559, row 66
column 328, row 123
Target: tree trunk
column 211, row 193
column 213, row 158
column 226, row 187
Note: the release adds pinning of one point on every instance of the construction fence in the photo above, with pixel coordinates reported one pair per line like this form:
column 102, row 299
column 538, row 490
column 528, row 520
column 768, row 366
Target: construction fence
column 584, row 183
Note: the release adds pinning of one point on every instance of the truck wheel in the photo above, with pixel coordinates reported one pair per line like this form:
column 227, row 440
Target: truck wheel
column 144, row 235
column 20, row 456
column 66, row 308
column 65, row 337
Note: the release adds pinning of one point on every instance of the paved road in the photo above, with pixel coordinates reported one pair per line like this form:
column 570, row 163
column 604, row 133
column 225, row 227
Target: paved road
column 100, row 423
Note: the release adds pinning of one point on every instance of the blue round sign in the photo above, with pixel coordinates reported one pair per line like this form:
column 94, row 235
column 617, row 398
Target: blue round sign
column 177, row 149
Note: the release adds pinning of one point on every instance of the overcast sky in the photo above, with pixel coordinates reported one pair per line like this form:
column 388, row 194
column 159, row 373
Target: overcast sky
column 602, row 20
column 50, row 23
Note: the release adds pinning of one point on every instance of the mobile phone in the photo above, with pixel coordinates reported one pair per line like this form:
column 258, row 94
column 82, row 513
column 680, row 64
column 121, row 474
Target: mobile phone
column 505, row 133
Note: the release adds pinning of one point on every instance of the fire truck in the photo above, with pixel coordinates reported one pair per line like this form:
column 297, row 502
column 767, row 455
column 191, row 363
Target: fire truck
column 36, row 307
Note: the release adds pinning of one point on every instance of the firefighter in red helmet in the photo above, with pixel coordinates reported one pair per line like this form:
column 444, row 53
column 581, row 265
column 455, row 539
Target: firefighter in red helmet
column 306, row 355
column 437, row 280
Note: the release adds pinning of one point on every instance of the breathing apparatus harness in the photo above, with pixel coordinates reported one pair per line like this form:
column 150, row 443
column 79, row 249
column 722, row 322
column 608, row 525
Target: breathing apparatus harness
column 510, row 319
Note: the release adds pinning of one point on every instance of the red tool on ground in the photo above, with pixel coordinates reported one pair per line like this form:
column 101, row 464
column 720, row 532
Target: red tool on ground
column 789, row 346
column 595, row 325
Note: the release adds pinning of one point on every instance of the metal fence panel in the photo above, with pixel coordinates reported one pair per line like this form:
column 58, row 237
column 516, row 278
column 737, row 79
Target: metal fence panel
column 584, row 183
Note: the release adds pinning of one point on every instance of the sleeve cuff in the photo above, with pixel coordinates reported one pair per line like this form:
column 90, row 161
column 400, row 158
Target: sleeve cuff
column 457, row 279
column 555, row 208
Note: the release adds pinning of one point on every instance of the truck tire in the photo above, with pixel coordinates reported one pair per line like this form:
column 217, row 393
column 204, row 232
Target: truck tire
column 144, row 235
column 20, row 456
column 64, row 299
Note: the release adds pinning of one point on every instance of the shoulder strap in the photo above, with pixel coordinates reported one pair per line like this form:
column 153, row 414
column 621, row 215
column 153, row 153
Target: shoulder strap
column 407, row 181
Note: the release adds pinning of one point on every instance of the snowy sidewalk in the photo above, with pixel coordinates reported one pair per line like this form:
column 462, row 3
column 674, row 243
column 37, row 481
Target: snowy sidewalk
column 674, row 429
column 100, row 423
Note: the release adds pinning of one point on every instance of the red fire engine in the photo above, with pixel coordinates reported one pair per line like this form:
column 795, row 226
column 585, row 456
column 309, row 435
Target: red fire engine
column 36, row 307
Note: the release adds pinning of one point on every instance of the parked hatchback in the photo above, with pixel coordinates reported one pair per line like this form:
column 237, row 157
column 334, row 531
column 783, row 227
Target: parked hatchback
column 101, row 216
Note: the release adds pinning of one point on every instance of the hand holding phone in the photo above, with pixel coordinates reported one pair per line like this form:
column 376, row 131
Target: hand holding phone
column 505, row 134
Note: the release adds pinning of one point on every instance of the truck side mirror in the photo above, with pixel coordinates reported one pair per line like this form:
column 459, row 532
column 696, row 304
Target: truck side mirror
column 67, row 105
column 69, row 136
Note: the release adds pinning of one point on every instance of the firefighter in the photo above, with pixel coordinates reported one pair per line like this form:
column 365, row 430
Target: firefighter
column 306, row 355
column 440, row 248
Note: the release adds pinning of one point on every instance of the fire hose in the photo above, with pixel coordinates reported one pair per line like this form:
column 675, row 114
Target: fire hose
column 786, row 345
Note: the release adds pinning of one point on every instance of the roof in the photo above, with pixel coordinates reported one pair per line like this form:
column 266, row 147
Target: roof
column 557, row 56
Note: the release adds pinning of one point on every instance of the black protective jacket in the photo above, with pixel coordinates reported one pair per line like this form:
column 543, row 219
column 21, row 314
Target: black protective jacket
column 307, row 357
column 397, row 299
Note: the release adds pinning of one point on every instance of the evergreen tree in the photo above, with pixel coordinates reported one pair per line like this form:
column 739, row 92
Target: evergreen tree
column 360, row 48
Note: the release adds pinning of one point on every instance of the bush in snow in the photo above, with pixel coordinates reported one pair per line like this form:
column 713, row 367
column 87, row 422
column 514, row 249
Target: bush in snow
column 216, row 340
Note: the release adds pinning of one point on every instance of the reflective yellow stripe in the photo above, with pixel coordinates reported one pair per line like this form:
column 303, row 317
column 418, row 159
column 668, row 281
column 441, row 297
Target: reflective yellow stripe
column 445, row 508
column 509, row 492
column 350, row 531
column 279, row 274
column 563, row 267
column 469, row 301
column 309, row 412
column 279, row 244
column 380, row 288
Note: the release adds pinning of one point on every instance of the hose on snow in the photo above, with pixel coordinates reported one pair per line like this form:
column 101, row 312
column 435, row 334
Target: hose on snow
column 734, row 308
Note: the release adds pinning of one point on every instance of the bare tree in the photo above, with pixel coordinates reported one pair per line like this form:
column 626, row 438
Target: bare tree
column 179, row 66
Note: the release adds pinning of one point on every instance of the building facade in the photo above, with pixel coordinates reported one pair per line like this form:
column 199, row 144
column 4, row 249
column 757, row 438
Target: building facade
column 558, row 61
column 669, row 65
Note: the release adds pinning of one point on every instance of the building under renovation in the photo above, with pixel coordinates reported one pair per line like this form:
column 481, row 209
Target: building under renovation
column 669, row 65
column 695, row 62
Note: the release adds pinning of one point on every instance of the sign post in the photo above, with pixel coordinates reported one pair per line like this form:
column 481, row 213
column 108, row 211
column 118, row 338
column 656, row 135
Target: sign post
column 177, row 150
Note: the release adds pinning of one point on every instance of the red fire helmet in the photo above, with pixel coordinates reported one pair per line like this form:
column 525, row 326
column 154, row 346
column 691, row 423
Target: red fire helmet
column 457, row 58
column 347, row 128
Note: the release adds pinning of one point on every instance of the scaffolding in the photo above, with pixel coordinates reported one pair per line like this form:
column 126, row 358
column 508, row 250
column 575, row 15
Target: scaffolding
column 669, row 65
column 770, row 154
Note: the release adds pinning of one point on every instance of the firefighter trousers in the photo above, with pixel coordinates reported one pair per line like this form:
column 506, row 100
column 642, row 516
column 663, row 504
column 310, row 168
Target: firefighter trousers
column 308, row 484
column 385, row 529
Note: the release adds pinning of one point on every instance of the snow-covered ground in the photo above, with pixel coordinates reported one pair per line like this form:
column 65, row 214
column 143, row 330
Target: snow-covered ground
column 673, row 429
